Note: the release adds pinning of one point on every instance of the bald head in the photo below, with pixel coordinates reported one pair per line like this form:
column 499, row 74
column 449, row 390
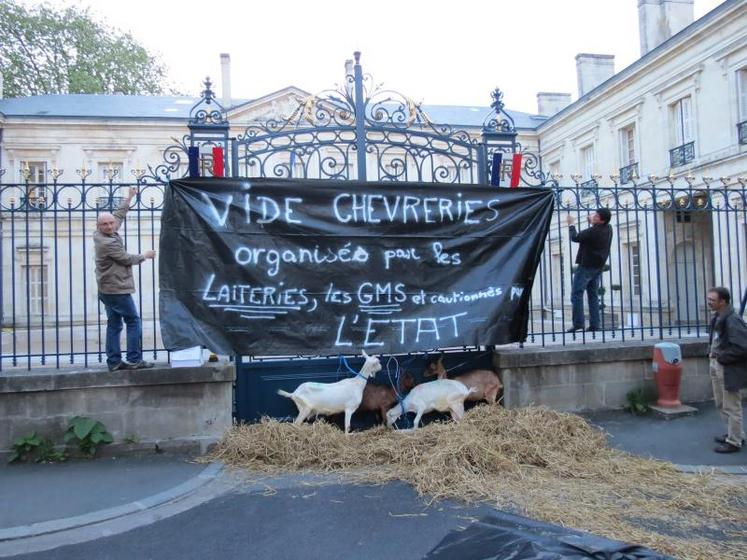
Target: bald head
column 106, row 223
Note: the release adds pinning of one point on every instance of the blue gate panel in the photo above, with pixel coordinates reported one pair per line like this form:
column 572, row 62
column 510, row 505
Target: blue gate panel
column 257, row 382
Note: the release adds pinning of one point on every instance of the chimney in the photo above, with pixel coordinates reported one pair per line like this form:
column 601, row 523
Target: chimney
column 658, row 20
column 549, row 103
column 349, row 73
column 592, row 70
column 225, row 73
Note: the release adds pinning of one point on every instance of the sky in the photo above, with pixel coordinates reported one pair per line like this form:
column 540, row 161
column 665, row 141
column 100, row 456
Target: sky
column 437, row 52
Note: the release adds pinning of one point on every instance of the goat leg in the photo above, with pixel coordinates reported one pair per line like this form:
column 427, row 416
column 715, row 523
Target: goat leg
column 348, row 415
column 303, row 414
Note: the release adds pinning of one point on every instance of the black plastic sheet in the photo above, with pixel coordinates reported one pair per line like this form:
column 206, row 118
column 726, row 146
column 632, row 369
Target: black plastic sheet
column 278, row 267
column 505, row 536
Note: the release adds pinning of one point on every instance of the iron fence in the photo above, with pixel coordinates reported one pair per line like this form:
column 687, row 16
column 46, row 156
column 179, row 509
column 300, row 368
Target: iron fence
column 671, row 242
column 51, row 315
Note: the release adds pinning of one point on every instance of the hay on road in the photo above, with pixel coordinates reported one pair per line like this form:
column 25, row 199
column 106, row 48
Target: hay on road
column 553, row 466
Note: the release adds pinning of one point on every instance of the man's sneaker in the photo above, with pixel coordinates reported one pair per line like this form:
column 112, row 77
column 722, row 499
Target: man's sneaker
column 593, row 329
column 727, row 448
column 575, row 329
column 117, row 366
column 722, row 439
column 142, row 364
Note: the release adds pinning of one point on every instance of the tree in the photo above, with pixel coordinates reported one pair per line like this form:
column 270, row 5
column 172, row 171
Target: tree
column 43, row 50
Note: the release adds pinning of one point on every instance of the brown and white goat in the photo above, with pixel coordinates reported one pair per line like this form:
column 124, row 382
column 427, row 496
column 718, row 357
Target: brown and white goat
column 380, row 398
column 484, row 381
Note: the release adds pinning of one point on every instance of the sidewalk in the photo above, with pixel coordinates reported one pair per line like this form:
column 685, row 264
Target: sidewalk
column 49, row 500
column 686, row 441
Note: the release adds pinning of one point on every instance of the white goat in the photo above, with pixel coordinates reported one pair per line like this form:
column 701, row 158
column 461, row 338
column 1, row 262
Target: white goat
column 441, row 395
column 333, row 398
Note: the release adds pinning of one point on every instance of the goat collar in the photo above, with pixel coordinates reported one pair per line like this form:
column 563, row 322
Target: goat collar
column 351, row 370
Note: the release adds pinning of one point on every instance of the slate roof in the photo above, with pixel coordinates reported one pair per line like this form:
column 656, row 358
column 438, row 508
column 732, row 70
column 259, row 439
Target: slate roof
column 100, row 106
column 178, row 107
column 460, row 115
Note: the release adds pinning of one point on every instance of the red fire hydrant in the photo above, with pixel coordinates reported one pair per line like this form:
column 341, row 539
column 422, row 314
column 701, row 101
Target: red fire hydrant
column 667, row 367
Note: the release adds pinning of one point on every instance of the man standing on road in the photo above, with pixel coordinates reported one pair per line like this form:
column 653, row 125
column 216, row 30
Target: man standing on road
column 115, row 283
column 593, row 251
column 728, row 366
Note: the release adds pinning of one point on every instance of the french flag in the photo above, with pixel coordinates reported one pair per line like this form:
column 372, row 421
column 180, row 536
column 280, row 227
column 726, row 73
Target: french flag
column 515, row 171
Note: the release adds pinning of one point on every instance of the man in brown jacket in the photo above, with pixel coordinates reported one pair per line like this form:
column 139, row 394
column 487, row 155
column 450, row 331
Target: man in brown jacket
column 115, row 282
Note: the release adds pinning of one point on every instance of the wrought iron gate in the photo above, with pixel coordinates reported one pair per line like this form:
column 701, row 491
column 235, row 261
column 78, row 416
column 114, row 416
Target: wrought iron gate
column 357, row 132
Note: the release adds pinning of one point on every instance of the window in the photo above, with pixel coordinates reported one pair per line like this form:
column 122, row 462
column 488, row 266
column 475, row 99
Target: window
column 36, row 277
column 296, row 166
column 588, row 166
column 635, row 268
column 683, row 150
column 588, row 162
column 36, row 171
column 682, row 121
column 553, row 169
column 107, row 172
column 742, row 105
column 110, row 171
column 627, row 146
column 628, row 156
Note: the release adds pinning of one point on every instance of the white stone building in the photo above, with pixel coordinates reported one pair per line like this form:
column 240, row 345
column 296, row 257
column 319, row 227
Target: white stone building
column 677, row 116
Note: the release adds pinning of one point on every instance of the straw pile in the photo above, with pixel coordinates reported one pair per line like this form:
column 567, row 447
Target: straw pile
column 545, row 464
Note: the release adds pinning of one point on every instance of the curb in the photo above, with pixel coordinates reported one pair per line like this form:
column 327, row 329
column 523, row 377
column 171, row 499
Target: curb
column 57, row 525
column 707, row 469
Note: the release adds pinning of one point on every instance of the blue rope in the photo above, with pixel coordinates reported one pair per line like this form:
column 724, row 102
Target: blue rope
column 395, row 385
column 343, row 361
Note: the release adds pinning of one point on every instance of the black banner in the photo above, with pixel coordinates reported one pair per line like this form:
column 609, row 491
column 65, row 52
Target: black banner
column 278, row 267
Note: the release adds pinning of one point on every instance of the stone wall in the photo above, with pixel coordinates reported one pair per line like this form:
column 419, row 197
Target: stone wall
column 594, row 376
column 171, row 408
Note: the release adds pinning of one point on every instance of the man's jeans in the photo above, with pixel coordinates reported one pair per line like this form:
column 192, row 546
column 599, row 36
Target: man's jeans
column 588, row 280
column 121, row 307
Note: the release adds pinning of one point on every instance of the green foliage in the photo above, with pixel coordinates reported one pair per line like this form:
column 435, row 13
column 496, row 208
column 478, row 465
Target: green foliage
column 637, row 400
column 48, row 454
column 25, row 446
column 88, row 434
column 44, row 50
column 34, row 445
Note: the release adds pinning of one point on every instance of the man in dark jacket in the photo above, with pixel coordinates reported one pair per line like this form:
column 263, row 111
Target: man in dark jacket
column 728, row 366
column 116, row 286
column 593, row 252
